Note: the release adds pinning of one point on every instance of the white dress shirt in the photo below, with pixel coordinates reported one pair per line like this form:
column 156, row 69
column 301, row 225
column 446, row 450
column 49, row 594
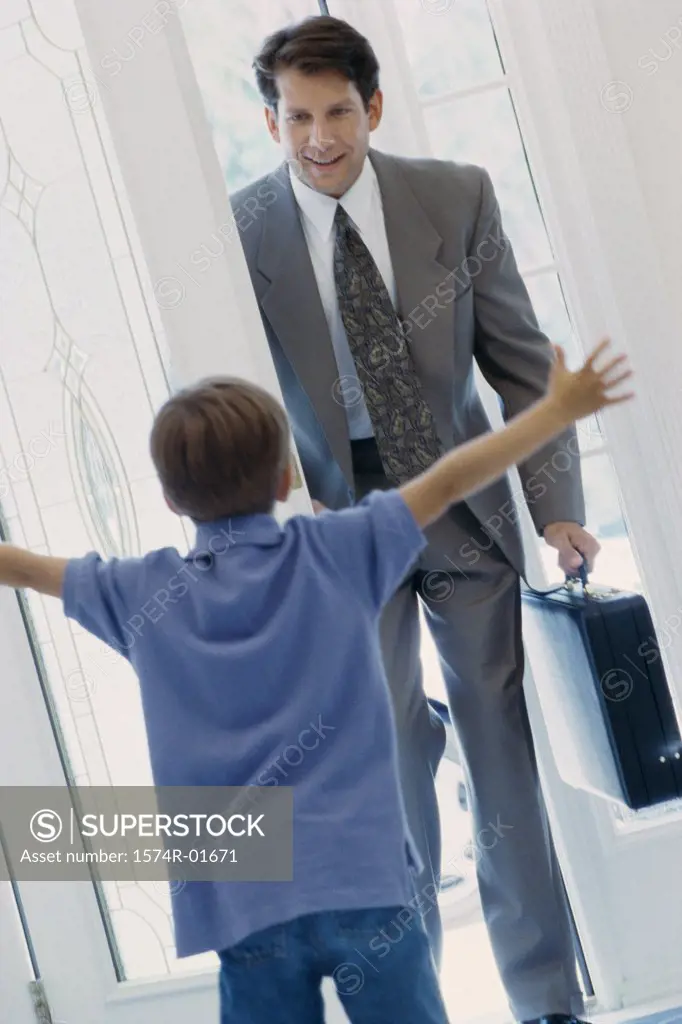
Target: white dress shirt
column 362, row 203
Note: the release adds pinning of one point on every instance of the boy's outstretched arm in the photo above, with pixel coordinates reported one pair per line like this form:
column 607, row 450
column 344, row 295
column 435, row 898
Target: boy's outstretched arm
column 474, row 465
column 24, row 570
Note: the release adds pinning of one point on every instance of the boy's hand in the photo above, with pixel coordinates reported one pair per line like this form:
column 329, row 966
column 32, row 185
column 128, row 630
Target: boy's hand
column 24, row 570
column 589, row 389
column 318, row 506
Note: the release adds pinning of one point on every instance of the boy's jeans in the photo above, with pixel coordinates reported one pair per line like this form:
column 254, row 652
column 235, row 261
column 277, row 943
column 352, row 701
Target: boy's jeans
column 381, row 965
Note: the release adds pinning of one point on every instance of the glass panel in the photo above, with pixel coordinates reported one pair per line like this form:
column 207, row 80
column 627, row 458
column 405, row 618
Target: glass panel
column 450, row 44
column 483, row 130
column 222, row 45
column 550, row 308
column 615, row 566
column 82, row 370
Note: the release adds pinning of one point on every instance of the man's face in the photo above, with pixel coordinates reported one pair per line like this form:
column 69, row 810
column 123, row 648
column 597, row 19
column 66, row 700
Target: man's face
column 321, row 123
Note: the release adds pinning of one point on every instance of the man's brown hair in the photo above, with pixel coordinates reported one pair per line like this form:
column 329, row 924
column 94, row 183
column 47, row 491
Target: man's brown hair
column 319, row 43
column 220, row 448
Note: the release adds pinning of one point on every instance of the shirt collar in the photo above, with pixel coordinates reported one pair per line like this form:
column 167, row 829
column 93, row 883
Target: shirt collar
column 319, row 210
column 260, row 529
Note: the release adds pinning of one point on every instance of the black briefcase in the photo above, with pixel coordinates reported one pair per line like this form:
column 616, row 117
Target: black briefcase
column 603, row 691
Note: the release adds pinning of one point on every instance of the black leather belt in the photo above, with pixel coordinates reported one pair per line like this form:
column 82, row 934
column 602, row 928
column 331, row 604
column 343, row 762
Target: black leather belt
column 366, row 458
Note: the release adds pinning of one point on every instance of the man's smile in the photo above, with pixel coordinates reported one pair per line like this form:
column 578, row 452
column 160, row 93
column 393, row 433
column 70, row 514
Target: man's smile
column 324, row 161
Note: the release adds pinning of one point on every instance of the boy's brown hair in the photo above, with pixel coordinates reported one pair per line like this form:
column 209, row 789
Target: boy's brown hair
column 220, row 448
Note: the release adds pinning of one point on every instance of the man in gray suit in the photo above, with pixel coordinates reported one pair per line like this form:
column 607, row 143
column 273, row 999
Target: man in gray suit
column 381, row 282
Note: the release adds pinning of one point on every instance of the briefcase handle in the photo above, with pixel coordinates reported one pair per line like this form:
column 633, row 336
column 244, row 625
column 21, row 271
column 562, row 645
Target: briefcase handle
column 579, row 574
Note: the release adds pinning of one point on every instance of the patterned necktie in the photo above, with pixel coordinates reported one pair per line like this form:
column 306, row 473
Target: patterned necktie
column 403, row 423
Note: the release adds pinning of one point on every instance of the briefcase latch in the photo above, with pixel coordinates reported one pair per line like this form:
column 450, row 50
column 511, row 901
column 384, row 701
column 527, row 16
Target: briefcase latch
column 590, row 590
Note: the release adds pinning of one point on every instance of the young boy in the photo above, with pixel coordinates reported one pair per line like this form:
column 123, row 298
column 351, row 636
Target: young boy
column 268, row 640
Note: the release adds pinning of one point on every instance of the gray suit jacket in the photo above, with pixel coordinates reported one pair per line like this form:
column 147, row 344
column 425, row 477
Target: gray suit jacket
column 461, row 301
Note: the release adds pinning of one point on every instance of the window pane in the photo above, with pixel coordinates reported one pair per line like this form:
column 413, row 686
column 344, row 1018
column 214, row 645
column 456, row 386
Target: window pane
column 550, row 309
column 223, row 40
column 482, row 129
column 450, row 45
column 615, row 565
column 548, row 302
column 81, row 368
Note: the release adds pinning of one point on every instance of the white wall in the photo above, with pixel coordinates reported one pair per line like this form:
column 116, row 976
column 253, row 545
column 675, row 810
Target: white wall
column 636, row 35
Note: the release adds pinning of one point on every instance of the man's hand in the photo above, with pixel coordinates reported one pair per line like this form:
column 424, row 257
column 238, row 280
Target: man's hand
column 318, row 506
column 573, row 544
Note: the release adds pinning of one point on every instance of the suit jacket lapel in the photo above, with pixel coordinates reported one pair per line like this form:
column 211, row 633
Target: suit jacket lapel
column 414, row 244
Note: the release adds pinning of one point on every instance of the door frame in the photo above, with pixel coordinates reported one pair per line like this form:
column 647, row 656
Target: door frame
column 16, row 973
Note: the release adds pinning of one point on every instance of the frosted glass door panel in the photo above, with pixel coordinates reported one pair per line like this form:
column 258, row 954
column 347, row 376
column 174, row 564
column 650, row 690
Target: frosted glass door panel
column 82, row 370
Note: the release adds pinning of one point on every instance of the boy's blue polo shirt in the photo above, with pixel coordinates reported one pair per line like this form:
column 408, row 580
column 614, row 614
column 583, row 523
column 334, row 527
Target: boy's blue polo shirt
column 263, row 639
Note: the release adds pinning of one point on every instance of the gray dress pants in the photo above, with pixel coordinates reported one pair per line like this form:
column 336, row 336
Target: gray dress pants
column 474, row 614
